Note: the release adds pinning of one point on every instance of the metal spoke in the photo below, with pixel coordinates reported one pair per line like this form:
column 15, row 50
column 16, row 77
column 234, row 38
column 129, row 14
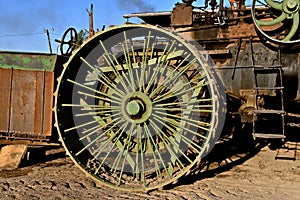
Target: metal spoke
column 121, row 130
column 160, row 65
column 100, row 128
column 294, row 28
column 110, row 62
column 116, row 163
column 171, row 94
column 96, row 139
column 141, row 153
column 102, row 108
column 182, row 109
column 142, row 77
column 199, row 123
column 167, row 140
column 96, row 91
column 100, row 112
column 91, row 107
column 80, row 126
column 186, row 103
column 110, row 139
column 272, row 22
column 188, row 141
column 175, row 131
column 128, row 61
column 101, row 98
column 186, row 120
column 172, row 79
column 106, row 81
column 155, row 151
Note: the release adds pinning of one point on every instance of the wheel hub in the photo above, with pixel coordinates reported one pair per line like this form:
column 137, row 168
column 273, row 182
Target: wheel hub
column 134, row 107
column 137, row 107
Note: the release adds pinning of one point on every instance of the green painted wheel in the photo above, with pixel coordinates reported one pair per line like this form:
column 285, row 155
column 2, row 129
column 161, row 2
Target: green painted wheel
column 136, row 107
column 277, row 21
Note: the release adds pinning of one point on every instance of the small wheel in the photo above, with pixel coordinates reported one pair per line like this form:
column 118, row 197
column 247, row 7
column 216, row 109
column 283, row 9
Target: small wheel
column 277, row 21
column 137, row 107
column 68, row 42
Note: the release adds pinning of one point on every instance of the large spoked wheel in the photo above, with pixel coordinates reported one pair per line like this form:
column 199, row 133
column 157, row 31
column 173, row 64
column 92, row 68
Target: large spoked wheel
column 277, row 21
column 137, row 107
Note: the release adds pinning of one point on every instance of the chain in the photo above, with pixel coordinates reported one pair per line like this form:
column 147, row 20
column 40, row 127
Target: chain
column 292, row 124
column 293, row 115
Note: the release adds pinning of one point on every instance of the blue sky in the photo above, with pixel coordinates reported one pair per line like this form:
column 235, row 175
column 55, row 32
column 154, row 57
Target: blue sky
column 23, row 21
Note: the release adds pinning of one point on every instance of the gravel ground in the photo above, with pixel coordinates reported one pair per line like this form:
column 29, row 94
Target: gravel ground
column 256, row 175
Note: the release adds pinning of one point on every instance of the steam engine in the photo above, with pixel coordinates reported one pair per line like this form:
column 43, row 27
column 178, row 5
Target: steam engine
column 138, row 106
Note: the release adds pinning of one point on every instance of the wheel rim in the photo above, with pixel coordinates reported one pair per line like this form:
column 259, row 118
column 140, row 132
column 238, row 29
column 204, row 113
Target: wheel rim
column 278, row 22
column 137, row 107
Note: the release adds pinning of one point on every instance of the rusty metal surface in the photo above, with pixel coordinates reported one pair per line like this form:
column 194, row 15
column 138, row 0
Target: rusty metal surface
column 237, row 31
column 182, row 15
column 48, row 103
column 222, row 31
column 22, row 104
column 26, row 94
column 30, row 103
column 5, row 93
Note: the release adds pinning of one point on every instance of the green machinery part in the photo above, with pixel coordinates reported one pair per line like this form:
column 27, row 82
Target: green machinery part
column 277, row 21
column 137, row 107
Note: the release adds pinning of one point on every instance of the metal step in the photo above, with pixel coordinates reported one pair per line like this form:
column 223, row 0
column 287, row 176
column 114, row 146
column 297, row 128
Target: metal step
column 269, row 88
column 286, row 152
column 269, row 111
column 267, row 70
column 268, row 66
column 268, row 136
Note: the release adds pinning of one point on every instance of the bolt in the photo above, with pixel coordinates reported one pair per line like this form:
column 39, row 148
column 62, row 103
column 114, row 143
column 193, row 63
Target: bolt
column 291, row 5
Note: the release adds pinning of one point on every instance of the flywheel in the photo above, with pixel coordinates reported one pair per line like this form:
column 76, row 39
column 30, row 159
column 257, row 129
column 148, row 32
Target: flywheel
column 137, row 107
column 277, row 21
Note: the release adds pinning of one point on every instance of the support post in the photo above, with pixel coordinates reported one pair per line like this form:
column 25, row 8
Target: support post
column 49, row 41
column 91, row 21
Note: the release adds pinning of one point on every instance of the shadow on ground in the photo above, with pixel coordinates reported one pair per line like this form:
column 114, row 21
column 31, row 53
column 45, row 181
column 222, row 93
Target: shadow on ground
column 42, row 155
column 234, row 150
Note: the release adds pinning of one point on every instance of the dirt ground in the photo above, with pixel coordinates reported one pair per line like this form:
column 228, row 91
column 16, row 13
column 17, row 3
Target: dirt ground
column 252, row 175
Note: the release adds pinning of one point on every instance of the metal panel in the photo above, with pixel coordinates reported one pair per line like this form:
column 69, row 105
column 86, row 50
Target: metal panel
column 23, row 102
column 26, row 94
column 5, row 90
column 31, row 103
column 182, row 15
column 48, row 103
column 39, row 103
